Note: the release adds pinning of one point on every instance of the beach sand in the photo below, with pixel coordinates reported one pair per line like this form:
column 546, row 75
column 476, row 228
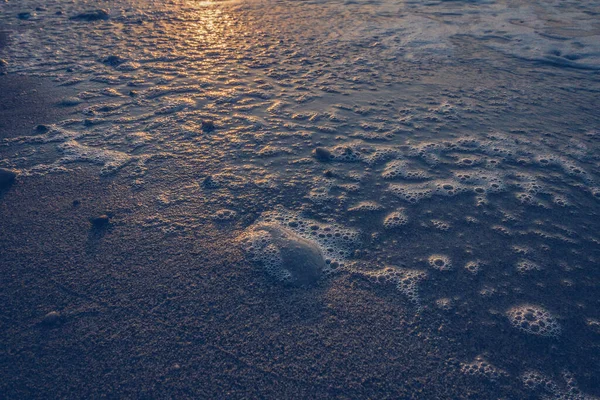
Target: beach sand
column 105, row 292
column 129, row 326
column 126, row 325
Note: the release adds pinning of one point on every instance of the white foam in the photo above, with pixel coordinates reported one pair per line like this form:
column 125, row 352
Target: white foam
column 480, row 367
column 335, row 242
column 534, row 320
column 440, row 262
column 395, row 219
column 111, row 161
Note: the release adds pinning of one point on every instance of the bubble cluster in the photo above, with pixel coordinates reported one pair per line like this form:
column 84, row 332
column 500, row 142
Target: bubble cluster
column 534, row 320
column 444, row 304
column 411, row 193
column 406, row 280
column 259, row 245
column 561, row 200
column 357, row 152
column 321, row 191
column 593, row 324
column 440, row 225
column 284, row 255
column 269, row 151
column 401, row 169
column 224, row 215
column 487, row 291
column 395, row 219
column 535, row 380
column 414, row 193
column 481, row 368
column 440, row 262
column 351, row 152
column 522, row 250
column 366, row 206
column 525, row 266
column 110, row 160
column 474, row 266
column 288, row 230
column 477, row 168
column 569, row 390
column 447, row 188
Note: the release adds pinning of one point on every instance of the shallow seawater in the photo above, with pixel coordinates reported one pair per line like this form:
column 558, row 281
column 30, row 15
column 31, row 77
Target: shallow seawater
column 446, row 149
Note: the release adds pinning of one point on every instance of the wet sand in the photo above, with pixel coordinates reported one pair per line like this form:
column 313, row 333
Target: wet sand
column 129, row 326
column 145, row 307
column 26, row 102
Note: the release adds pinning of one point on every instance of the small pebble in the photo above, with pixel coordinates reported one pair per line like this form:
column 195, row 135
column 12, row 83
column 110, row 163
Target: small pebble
column 209, row 182
column 100, row 221
column 42, row 129
column 322, row 154
column 70, row 102
column 208, row 126
column 113, row 60
column 24, row 15
column 92, row 15
column 7, row 177
column 52, row 318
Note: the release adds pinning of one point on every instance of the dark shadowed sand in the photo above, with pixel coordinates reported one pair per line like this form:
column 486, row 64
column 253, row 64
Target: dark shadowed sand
column 26, row 102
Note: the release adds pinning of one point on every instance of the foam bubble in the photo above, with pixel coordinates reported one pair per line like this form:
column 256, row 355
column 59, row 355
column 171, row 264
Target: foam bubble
column 534, row 320
column 569, row 390
column 440, row 262
column 474, row 266
column 523, row 250
column 535, row 380
column 440, row 225
column 593, row 324
column 482, row 368
column 351, row 152
column 224, row 215
column 401, row 169
column 291, row 234
column 320, row 193
column 366, row 206
column 561, row 200
column 269, row 151
column 444, row 304
column 284, row 255
column 428, row 151
column 395, row 219
column 477, row 183
column 110, row 160
column 411, row 193
column 525, row 266
column 358, row 152
column 406, row 280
